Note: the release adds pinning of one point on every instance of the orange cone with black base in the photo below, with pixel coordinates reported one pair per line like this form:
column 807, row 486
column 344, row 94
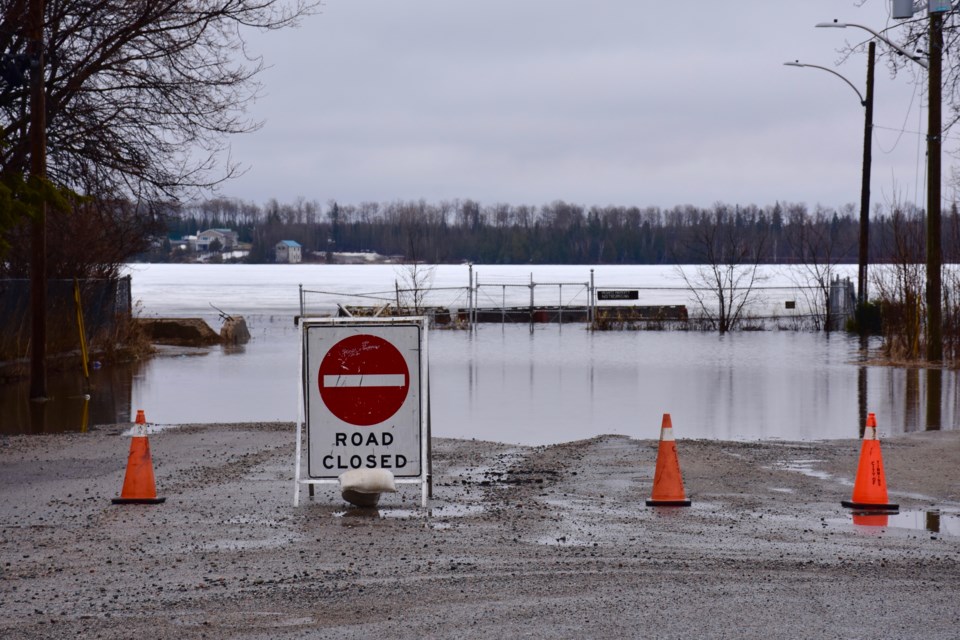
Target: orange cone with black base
column 870, row 486
column 139, row 486
column 667, row 481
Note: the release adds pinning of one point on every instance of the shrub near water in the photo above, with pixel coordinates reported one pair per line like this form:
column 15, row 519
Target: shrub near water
column 112, row 334
column 899, row 314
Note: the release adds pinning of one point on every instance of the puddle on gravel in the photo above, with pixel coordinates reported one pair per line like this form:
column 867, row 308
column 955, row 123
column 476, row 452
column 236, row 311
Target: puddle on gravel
column 446, row 511
column 248, row 519
column 565, row 541
column 806, row 468
column 495, row 474
column 151, row 428
column 932, row 521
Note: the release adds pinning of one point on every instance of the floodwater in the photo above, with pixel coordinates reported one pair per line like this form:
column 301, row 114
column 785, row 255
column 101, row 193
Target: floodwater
column 933, row 521
column 507, row 383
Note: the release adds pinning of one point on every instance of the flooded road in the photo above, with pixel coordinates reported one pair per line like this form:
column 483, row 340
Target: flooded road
column 555, row 384
column 505, row 383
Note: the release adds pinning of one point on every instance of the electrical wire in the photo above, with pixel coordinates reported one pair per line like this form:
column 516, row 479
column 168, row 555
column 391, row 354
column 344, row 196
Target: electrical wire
column 911, row 132
column 902, row 130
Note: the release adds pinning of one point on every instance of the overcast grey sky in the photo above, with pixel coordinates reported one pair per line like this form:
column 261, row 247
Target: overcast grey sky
column 626, row 102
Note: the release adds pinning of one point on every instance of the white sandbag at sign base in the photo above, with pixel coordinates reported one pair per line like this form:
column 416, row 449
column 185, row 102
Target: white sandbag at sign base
column 367, row 481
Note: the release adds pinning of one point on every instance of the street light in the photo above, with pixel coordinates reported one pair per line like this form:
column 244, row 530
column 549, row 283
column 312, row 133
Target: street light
column 843, row 25
column 867, row 103
column 797, row 63
column 934, row 65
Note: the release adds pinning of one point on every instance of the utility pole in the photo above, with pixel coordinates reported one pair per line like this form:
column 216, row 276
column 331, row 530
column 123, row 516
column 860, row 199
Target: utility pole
column 38, row 226
column 867, row 103
column 934, row 254
column 865, row 184
column 902, row 9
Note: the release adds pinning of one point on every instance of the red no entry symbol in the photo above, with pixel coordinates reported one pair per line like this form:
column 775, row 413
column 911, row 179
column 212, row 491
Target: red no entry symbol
column 363, row 380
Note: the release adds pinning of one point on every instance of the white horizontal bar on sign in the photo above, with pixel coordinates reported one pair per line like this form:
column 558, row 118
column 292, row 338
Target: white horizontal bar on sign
column 369, row 380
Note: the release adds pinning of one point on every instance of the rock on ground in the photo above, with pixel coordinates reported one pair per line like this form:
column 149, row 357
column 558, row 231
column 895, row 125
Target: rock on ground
column 190, row 332
column 234, row 331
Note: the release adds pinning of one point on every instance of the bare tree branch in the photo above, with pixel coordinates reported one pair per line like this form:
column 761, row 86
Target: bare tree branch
column 141, row 94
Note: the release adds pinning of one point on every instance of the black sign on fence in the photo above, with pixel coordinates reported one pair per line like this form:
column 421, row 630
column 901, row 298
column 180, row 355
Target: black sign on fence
column 618, row 294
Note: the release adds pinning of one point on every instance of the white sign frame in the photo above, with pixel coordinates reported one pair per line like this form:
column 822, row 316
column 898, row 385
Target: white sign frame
column 308, row 393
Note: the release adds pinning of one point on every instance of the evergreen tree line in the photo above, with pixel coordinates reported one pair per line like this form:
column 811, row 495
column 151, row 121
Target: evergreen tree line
column 564, row 233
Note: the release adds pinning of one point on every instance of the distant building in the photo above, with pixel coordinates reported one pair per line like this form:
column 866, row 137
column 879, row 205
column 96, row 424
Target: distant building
column 288, row 251
column 186, row 243
column 227, row 238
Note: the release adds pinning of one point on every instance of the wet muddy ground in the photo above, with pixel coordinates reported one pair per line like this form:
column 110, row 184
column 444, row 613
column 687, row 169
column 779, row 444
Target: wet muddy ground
column 534, row 542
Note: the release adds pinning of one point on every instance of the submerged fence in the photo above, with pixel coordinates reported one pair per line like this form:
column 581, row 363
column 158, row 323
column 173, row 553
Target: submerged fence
column 602, row 305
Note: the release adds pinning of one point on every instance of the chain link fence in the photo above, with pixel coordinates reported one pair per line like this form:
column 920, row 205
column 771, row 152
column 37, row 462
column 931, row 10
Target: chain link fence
column 107, row 306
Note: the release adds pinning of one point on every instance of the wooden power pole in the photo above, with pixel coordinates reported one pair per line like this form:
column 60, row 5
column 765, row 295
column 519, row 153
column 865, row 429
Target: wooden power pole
column 934, row 255
column 38, row 226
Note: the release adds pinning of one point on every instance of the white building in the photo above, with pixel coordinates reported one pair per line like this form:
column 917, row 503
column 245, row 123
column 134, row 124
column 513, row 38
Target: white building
column 288, row 251
column 227, row 238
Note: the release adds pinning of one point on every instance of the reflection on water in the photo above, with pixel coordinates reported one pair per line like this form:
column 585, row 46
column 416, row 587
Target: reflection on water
column 934, row 399
column 912, row 407
column 933, row 521
column 554, row 384
column 564, row 384
column 71, row 406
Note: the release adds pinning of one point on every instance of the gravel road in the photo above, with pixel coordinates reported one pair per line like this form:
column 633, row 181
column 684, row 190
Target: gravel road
column 519, row 542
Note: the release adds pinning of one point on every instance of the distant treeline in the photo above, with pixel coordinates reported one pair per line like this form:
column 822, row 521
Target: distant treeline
column 566, row 233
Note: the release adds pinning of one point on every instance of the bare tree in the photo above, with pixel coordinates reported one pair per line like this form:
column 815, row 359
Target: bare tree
column 417, row 277
column 94, row 240
column 817, row 245
column 415, row 280
column 913, row 36
column 900, row 286
column 128, row 99
column 723, row 282
column 140, row 94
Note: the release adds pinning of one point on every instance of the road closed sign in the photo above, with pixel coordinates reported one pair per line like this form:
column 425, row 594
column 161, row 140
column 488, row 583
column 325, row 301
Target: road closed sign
column 363, row 380
column 364, row 397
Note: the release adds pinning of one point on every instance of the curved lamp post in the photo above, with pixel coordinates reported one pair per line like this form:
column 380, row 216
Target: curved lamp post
column 867, row 102
column 933, row 64
column 797, row 63
column 893, row 45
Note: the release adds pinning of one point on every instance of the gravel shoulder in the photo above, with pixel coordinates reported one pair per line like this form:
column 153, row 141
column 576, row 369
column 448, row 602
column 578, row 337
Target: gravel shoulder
column 532, row 542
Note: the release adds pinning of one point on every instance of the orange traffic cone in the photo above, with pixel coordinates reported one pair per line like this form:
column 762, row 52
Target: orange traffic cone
column 667, row 482
column 138, row 485
column 870, row 486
